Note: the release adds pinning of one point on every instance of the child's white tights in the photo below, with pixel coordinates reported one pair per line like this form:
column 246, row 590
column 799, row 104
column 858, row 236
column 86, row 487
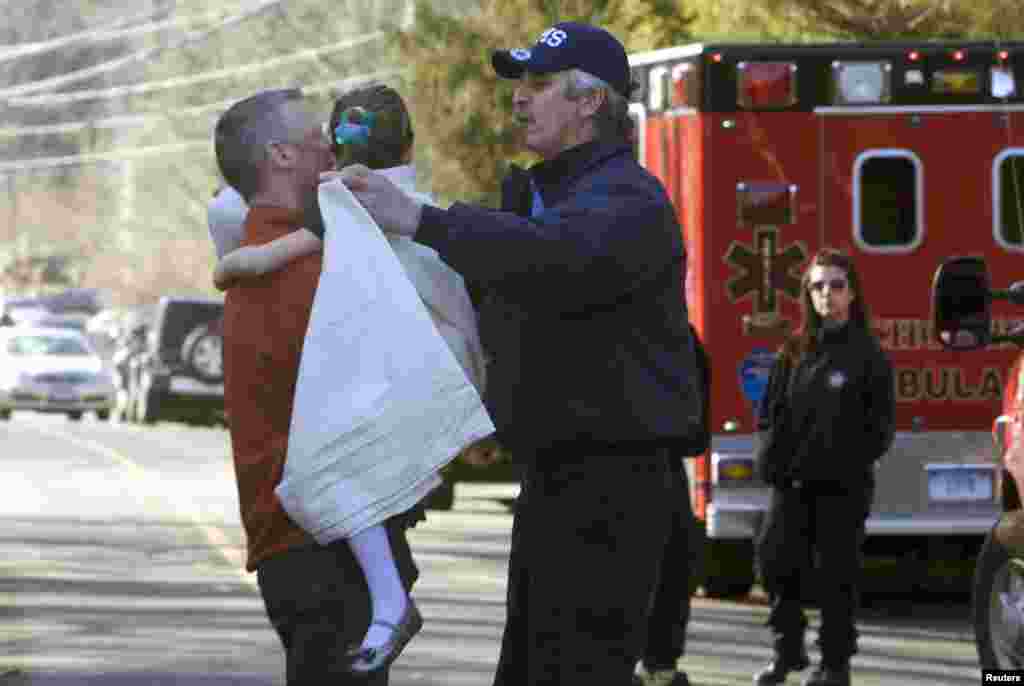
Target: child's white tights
column 387, row 594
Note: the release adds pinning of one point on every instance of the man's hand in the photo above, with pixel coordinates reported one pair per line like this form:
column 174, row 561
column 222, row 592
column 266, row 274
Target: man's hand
column 222, row 279
column 393, row 210
column 483, row 453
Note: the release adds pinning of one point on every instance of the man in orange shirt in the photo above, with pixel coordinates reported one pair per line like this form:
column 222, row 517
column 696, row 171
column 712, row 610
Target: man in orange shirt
column 271, row 149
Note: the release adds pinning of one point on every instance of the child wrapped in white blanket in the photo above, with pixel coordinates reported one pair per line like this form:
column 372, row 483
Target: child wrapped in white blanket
column 392, row 371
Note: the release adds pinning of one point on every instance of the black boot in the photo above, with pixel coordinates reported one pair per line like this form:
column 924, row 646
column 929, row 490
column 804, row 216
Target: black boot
column 829, row 674
column 790, row 656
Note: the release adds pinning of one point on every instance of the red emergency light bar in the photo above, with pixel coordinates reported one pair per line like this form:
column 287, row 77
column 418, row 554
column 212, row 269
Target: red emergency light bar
column 766, row 84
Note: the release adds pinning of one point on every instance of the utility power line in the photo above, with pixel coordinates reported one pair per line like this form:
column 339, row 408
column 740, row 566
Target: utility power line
column 112, row 156
column 138, row 56
column 129, row 120
column 113, row 32
column 30, row 47
column 191, row 80
column 38, row 163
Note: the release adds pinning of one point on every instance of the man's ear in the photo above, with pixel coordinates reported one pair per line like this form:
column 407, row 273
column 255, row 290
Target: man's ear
column 591, row 101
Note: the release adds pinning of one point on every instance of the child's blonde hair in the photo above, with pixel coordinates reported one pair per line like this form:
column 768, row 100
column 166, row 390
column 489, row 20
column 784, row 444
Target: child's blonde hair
column 371, row 126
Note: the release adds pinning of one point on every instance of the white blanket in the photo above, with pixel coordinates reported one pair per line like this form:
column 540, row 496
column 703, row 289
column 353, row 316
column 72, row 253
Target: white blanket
column 381, row 402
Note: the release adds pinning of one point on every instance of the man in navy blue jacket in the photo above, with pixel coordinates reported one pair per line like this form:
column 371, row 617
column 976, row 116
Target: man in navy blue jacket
column 592, row 380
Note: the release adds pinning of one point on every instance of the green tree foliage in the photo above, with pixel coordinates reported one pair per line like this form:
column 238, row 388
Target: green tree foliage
column 460, row 106
column 872, row 19
column 142, row 82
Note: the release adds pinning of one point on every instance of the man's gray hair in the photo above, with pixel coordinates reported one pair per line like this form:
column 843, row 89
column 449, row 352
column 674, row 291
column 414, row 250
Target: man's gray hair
column 612, row 119
column 244, row 130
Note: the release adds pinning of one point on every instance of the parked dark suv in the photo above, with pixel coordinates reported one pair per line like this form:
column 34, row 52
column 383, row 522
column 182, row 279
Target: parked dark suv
column 170, row 363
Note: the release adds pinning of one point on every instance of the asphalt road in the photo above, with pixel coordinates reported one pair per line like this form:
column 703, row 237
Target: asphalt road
column 121, row 564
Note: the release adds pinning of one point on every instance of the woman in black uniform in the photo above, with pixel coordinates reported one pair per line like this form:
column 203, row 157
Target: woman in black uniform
column 826, row 419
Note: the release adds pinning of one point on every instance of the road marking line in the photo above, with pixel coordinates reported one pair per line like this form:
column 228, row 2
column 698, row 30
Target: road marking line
column 215, row 536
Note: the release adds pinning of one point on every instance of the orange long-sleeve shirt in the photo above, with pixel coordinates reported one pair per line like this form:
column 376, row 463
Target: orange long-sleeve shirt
column 265, row 320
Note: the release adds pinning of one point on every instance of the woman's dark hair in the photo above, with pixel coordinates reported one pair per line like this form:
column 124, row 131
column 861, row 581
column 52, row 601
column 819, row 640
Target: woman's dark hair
column 806, row 338
column 387, row 136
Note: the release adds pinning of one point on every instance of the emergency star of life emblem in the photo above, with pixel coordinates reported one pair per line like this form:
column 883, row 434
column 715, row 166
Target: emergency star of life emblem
column 764, row 271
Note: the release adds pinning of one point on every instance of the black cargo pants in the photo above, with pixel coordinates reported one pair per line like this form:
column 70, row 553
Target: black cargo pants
column 670, row 613
column 808, row 523
column 587, row 539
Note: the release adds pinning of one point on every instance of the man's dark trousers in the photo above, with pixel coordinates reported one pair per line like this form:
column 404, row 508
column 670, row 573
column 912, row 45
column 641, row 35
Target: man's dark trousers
column 317, row 600
column 802, row 521
column 588, row 536
column 670, row 614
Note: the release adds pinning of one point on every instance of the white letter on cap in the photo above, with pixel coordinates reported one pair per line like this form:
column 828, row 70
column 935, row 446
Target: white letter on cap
column 553, row 37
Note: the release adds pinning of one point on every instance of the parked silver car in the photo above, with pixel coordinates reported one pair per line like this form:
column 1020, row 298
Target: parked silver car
column 52, row 370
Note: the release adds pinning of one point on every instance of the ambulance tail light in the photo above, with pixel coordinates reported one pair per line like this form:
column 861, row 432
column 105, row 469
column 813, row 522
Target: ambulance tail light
column 766, row 85
column 765, row 203
column 685, row 85
column 658, row 91
column 861, row 83
column 1003, row 81
column 732, row 469
column 956, row 81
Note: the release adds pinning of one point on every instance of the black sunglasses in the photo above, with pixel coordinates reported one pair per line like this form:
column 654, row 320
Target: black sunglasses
column 834, row 284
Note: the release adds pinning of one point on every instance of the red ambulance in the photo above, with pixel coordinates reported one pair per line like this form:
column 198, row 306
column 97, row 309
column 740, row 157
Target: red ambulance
column 900, row 154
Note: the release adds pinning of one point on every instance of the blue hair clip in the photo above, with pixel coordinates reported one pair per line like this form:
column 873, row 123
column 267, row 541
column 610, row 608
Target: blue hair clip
column 354, row 127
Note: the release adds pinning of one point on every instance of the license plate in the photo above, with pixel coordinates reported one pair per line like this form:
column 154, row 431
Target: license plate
column 960, row 483
column 63, row 395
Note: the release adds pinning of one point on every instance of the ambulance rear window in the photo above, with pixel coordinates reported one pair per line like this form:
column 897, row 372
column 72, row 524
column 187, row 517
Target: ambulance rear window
column 887, row 201
column 1008, row 198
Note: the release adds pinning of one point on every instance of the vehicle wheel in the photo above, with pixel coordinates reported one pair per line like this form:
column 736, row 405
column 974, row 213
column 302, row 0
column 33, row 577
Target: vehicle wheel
column 442, row 497
column 146, row 403
column 75, row 416
column 103, row 415
column 728, row 568
column 998, row 606
column 203, row 352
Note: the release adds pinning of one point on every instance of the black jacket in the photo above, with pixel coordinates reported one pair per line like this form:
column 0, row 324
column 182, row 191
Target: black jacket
column 833, row 417
column 583, row 312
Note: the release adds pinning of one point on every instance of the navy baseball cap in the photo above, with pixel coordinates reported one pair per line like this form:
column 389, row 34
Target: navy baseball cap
column 569, row 45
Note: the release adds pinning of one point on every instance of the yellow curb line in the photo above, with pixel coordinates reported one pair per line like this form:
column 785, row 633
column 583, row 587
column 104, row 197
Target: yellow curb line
column 214, row 536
